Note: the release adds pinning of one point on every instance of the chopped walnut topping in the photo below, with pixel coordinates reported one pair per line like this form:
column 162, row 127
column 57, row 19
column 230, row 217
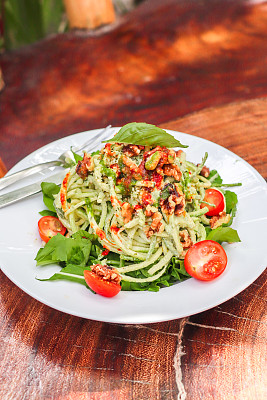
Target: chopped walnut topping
column 220, row 219
column 132, row 150
column 129, row 163
column 106, row 272
column 171, row 156
column 150, row 210
column 186, row 240
column 156, row 225
column 126, row 212
column 126, row 170
column 159, row 171
column 147, row 184
column 174, row 204
column 205, row 171
column 107, row 150
column 179, row 153
column 145, row 197
column 150, row 152
column 116, row 169
column 84, row 166
column 172, row 170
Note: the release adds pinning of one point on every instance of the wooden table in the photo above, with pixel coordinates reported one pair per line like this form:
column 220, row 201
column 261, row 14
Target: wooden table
column 197, row 67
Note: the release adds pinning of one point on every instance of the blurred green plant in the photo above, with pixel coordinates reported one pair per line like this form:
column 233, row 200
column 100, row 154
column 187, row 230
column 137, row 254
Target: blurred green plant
column 26, row 21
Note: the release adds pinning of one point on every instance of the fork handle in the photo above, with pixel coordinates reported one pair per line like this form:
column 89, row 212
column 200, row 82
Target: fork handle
column 8, row 180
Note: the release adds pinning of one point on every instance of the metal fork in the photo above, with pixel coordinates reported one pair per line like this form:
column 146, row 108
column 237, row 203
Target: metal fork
column 63, row 160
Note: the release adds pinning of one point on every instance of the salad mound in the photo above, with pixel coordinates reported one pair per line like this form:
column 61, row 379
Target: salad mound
column 136, row 207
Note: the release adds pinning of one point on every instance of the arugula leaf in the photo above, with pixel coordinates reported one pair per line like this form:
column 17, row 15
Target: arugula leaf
column 143, row 134
column 223, row 234
column 44, row 213
column 84, row 235
column 201, row 165
column 216, row 177
column 76, row 156
column 70, row 273
column 231, row 205
column 95, row 152
column 49, row 191
column 108, row 171
column 175, row 272
column 231, row 202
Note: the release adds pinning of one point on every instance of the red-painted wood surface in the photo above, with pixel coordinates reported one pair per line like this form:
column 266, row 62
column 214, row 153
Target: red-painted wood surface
column 164, row 60
column 197, row 67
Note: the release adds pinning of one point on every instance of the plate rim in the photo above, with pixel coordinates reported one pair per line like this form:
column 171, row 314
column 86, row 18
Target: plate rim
column 181, row 315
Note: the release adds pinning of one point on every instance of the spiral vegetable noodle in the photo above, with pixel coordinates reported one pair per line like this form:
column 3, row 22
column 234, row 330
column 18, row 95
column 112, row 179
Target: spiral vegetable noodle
column 144, row 203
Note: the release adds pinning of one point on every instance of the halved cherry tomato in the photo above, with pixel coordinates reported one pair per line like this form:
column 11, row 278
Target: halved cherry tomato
column 205, row 260
column 213, row 196
column 49, row 226
column 101, row 286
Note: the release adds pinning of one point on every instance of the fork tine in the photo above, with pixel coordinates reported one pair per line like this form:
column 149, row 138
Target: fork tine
column 91, row 140
column 93, row 145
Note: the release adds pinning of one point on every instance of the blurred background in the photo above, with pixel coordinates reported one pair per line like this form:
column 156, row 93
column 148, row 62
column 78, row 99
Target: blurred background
column 73, row 65
column 23, row 22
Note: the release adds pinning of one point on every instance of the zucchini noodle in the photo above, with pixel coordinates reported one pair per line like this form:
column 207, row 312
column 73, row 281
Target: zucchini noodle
column 144, row 210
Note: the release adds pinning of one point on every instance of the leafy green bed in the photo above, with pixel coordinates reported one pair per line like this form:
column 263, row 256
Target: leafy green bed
column 76, row 253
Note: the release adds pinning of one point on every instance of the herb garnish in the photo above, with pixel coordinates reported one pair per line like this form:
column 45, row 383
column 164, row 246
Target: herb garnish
column 143, row 134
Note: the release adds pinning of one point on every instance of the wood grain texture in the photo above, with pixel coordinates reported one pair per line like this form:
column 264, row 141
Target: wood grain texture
column 225, row 348
column 164, row 60
column 240, row 127
column 50, row 355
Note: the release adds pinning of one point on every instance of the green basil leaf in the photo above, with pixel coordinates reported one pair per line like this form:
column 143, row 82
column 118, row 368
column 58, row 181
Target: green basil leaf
column 223, row 234
column 140, row 133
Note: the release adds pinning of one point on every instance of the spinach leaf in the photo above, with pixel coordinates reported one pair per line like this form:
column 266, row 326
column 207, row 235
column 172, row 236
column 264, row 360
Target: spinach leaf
column 143, row 134
column 74, row 250
column 223, row 234
column 49, row 191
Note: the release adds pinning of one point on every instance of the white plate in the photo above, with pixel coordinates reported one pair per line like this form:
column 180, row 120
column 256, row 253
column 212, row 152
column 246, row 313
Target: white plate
column 19, row 243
